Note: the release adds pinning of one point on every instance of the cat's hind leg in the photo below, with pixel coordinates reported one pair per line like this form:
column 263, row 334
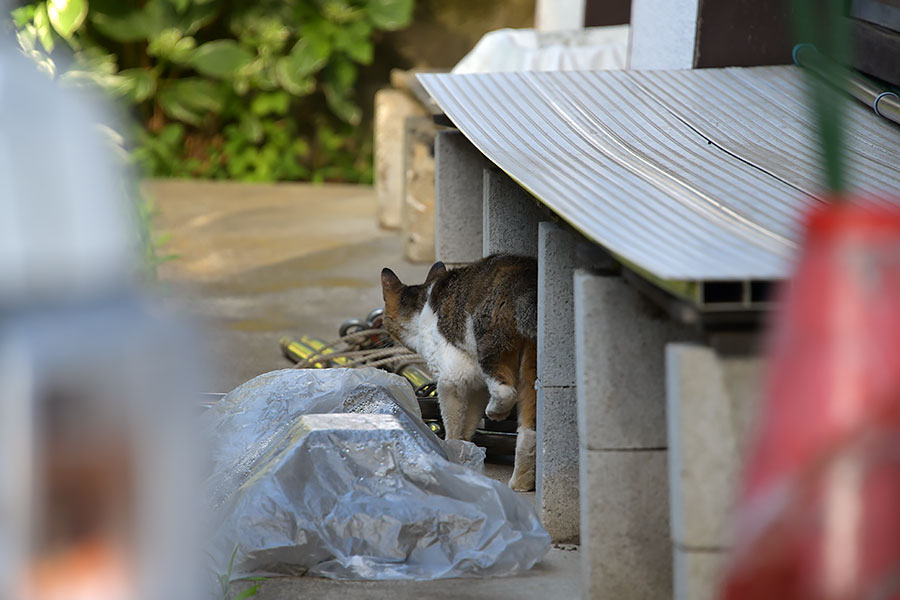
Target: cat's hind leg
column 453, row 411
column 522, row 479
column 500, row 367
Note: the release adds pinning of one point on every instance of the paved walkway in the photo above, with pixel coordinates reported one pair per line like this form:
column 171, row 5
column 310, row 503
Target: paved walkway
column 257, row 262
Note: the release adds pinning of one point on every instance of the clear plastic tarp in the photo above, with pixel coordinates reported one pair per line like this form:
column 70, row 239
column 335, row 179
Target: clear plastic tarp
column 332, row 473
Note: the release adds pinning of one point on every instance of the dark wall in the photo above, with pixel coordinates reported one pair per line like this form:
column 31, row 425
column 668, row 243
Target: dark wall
column 743, row 33
column 607, row 12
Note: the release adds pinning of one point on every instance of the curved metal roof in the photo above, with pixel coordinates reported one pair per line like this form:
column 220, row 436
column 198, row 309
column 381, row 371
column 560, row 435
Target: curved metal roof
column 656, row 167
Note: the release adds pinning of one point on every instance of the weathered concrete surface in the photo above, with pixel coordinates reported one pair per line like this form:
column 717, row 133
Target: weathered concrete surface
column 560, row 252
column 392, row 107
column 458, row 198
column 510, row 217
column 418, row 195
column 257, row 262
column 555, row 577
column 711, row 392
column 620, row 341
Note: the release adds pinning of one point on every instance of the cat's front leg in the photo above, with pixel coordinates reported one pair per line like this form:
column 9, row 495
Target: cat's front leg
column 453, row 410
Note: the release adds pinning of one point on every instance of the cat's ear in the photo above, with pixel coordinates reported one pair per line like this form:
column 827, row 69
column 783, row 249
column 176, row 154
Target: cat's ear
column 436, row 270
column 390, row 283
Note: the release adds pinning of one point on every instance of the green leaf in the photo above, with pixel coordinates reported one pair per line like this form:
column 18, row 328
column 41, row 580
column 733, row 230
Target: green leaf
column 66, row 16
column 23, row 15
column 272, row 103
column 252, row 128
column 356, row 40
column 341, row 75
column 138, row 84
column 119, row 21
column 170, row 45
column 390, row 14
column 180, row 5
column 341, row 106
column 251, row 591
column 289, row 80
column 306, row 58
column 191, row 99
column 221, row 58
column 43, row 28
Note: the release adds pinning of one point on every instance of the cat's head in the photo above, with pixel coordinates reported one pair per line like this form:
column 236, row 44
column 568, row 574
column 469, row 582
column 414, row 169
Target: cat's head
column 404, row 303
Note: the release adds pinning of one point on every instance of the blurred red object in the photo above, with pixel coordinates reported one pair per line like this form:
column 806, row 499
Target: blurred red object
column 819, row 509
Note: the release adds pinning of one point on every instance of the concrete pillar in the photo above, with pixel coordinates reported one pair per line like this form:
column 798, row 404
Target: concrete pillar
column 392, row 107
column 663, row 34
column 418, row 193
column 620, row 341
column 458, row 194
column 560, row 252
column 710, row 393
column 510, row 217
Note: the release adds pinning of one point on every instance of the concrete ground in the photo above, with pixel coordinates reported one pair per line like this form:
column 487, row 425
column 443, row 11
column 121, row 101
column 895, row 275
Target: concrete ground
column 258, row 262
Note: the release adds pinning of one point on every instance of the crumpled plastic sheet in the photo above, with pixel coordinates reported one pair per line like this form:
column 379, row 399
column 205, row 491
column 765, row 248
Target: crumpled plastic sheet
column 331, row 472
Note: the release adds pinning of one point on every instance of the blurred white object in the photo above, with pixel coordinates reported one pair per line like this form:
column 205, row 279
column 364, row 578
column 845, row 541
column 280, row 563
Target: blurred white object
column 96, row 437
column 67, row 229
column 559, row 15
column 591, row 49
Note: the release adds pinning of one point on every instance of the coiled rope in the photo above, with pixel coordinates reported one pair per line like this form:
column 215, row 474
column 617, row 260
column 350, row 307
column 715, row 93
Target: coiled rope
column 384, row 355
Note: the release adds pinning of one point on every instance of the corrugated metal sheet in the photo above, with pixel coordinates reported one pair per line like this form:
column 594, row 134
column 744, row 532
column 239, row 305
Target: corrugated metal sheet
column 657, row 168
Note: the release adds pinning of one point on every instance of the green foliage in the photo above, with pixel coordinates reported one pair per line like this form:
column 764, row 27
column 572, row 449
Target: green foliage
column 262, row 91
column 225, row 582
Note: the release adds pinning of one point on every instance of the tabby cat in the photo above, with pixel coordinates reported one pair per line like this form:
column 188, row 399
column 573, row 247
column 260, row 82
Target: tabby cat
column 476, row 328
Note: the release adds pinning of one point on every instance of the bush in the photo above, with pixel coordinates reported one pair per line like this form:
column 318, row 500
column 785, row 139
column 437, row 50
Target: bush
column 259, row 91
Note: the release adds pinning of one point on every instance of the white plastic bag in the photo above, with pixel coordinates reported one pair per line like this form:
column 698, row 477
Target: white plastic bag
column 367, row 494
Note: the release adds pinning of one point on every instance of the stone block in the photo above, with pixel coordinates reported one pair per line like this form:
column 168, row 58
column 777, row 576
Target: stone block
column 625, row 544
column 710, row 399
column 698, row 574
column 510, row 217
column 560, row 252
column 663, row 34
column 392, row 107
column 557, row 463
column 620, row 340
column 458, row 189
column 418, row 196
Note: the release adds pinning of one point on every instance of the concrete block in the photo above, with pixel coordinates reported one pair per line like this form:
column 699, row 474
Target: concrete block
column 510, row 217
column 710, row 398
column 663, row 34
column 625, row 544
column 392, row 107
column 620, row 340
column 698, row 574
column 418, row 196
column 560, row 252
column 557, row 463
column 458, row 195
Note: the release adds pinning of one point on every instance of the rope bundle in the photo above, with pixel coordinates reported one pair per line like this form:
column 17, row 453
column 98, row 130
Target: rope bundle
column 351, row 348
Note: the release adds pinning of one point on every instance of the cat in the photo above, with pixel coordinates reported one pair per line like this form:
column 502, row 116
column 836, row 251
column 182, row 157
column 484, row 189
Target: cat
column 476, row 328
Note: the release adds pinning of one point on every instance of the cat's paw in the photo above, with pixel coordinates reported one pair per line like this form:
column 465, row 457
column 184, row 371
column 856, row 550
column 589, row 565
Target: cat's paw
column 522, row 481
column 496, row 412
